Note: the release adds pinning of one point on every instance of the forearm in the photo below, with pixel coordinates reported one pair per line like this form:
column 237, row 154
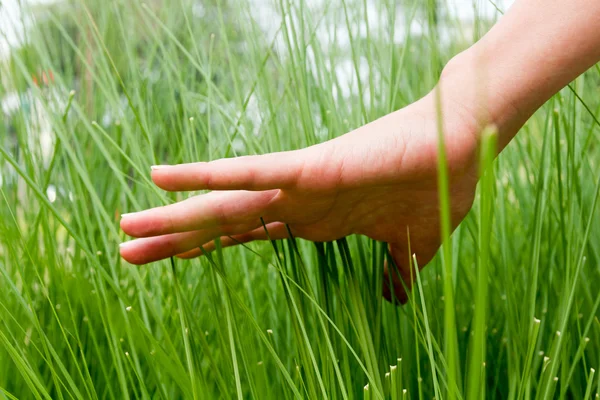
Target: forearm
column 536, row 49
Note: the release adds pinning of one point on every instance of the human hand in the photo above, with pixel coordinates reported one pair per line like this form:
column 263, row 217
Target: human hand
column 379, row 181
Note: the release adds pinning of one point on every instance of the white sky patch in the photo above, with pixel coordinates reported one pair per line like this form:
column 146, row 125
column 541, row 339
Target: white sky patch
column 333, row 30
column 12, row 20
column 465, row 10
column 13, row 23
column 9, row 14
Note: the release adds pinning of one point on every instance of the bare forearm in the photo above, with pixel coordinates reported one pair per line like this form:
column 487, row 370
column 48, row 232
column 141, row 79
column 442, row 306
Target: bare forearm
column 536, row 49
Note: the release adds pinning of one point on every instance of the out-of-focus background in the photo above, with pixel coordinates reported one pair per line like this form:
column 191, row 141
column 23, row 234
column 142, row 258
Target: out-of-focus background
column 94, row 92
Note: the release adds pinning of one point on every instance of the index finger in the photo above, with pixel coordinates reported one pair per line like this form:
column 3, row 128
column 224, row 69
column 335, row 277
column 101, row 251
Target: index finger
column 269, row 171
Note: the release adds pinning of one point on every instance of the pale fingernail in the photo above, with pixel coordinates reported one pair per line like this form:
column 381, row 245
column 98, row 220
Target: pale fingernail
column 124, row 245
column 126, row 215
column 157, row 167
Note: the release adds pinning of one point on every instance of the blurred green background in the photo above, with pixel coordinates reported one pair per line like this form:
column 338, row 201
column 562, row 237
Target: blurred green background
column 94, row 92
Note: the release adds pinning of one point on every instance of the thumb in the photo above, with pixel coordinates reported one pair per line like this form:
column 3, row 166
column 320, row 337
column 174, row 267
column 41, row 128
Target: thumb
column 397, row 276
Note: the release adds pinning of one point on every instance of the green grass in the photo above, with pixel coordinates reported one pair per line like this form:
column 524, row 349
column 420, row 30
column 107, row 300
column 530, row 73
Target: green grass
column 508, row 310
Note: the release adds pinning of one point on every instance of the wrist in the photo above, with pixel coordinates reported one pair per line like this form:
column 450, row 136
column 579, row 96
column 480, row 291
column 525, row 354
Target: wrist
column 472, row 81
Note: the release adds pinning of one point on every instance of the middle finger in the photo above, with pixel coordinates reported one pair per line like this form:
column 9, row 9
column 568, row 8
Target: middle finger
column 212, row 210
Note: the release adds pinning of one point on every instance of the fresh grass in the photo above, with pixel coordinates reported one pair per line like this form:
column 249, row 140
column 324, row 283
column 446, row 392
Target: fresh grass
column 508, row 310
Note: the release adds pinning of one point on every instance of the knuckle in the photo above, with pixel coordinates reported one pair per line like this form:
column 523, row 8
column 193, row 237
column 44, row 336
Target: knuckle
column 228, row 230
column 206, row 180
column 220, row 215
column 168, row 220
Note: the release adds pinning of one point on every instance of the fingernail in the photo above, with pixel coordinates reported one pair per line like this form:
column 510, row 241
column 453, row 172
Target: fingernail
column 126, row 215
column 124, row 245
column 157, row 167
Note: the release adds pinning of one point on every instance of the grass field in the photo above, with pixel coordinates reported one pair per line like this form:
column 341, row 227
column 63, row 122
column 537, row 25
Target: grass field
column 165, row 82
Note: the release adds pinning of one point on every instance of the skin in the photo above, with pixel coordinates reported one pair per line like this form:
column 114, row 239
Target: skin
column 381, row 179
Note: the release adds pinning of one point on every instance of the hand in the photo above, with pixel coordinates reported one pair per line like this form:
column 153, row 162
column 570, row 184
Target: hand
column 379, row 180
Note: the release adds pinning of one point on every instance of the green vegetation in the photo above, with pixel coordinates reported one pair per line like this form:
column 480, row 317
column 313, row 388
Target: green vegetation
column 508, row 310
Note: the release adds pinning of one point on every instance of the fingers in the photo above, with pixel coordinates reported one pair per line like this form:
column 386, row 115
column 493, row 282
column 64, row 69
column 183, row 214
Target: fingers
column 277, row 231
column 397, row 277
column 269, row 171
column 215, row 209
column 146, row 250
column 187, row 244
